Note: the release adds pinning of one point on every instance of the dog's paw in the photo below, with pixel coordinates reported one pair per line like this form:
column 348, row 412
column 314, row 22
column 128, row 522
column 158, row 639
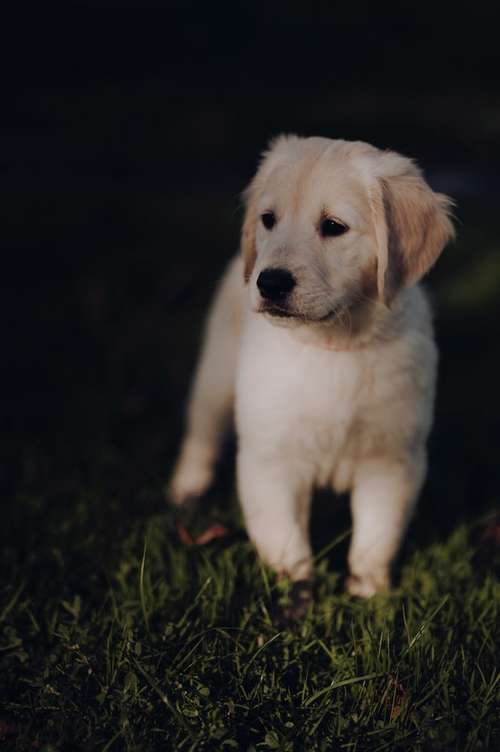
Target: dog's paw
column 192, row 478
column 368, row 585
column 185, row 488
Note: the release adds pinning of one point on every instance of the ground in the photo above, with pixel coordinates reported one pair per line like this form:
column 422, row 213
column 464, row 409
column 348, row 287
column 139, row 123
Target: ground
column 173, row 648
column 115, row 635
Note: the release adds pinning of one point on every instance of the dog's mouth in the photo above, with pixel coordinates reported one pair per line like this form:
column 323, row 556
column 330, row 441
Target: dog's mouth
column 283, row 313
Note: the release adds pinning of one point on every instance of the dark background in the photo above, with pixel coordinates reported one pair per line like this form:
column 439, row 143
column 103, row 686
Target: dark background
column 128, row 131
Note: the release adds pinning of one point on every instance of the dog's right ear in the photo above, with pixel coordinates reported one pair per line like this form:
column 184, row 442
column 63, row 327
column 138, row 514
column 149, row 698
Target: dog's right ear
column 248, row 247
column 276, row 152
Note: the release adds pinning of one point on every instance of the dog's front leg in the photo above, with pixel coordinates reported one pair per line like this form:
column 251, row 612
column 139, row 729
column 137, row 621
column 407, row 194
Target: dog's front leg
column 275, row 497
column 382, row 501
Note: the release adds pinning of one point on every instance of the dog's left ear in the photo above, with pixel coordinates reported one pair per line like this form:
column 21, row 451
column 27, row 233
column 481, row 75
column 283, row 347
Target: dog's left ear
column 412, row 227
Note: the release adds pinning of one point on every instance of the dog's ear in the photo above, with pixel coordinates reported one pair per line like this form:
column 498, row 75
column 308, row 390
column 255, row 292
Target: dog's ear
column 412, row 226
column 248, row 248
column 276, row 153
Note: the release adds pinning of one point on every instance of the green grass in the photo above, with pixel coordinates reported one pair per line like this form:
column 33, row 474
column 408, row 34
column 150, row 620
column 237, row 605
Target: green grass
column 133, row 641
column 114, row 636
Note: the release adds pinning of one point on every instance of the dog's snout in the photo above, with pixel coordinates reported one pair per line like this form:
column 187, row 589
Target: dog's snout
column 275, row 284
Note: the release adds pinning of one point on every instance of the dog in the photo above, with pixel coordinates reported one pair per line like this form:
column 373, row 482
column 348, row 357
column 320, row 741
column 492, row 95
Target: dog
column 321, row 340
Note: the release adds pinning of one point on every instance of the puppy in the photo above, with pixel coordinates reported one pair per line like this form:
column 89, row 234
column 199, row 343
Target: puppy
column 321, row 338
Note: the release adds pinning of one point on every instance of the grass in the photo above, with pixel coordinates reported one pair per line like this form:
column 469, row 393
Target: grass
column 139, row 642
column 115, row 636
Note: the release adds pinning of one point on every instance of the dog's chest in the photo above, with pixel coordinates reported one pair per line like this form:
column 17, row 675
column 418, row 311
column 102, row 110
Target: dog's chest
column 294, row 398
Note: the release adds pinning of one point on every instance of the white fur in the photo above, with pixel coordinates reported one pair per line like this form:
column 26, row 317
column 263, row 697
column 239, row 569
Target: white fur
column 345, row 402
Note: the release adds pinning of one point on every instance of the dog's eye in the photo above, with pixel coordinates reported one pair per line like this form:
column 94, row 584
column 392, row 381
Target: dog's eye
column 330, row 228
column 268, row 220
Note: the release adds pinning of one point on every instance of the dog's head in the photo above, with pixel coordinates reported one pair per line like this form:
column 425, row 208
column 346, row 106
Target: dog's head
column 333, row 226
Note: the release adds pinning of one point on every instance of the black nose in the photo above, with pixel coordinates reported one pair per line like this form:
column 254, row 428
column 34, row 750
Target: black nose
column 275, row 284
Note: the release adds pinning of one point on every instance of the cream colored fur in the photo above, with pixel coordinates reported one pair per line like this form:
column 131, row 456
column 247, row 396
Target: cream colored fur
column 339, row 392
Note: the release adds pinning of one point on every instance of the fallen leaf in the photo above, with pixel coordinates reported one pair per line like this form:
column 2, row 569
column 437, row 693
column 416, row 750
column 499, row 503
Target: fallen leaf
column 184, row 536
column 212, row 533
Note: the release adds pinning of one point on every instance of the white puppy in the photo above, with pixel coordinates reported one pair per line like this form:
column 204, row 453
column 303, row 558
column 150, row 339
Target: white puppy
column 320, row 336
